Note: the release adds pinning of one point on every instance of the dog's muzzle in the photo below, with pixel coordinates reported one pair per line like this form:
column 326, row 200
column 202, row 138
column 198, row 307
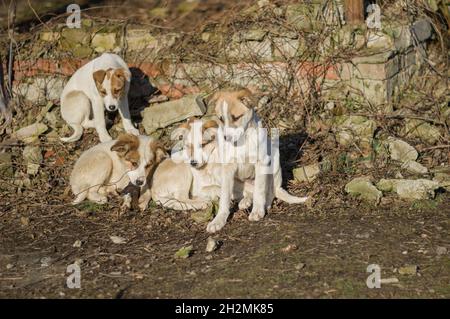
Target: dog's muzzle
column 140, row 181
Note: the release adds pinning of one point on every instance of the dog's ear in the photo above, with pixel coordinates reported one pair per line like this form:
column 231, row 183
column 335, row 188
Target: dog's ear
column 123, row 74
column 99, row 76
column 125, row 143
column 246, row 97
column 210, row 130
column 159, row 150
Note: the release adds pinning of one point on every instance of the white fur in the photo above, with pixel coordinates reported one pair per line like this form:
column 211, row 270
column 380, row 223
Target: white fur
column 267, row 186
column 80, row 95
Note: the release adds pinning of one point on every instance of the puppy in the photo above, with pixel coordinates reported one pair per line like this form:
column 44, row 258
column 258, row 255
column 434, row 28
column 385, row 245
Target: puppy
column 186, row 181
column 109, row 167
column 103, row 83
column 239, row 123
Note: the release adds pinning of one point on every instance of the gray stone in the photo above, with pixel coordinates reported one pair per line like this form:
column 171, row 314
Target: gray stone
column 104, row 42
column 30, row 133
column 250, row 35
column 139, row 39
column 211, row 245
column 163, row 114
column 49, row 36
column 363, row 187
column 354, row 128
column 306, row 173
column 409, row 189
column 414, row 168
column 285, row 48
column 421, row 30
column 32, row 156
column 400, row 150
column 441, row 250
column 443, row 179
column 422, row 130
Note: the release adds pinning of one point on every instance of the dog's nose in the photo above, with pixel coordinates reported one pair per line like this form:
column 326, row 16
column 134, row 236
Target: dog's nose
column 194, row 163
column 139, row 182
column 111, row 107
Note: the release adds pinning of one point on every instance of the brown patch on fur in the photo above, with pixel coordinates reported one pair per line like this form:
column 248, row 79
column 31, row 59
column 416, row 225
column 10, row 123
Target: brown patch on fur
column 127, row 148
column 99, row 76
column 239, row 102
column 118, row 80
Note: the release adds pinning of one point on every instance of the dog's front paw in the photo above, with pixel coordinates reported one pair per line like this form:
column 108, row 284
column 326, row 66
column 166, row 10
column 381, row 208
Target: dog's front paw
column 216, row 225
column 245, row 203
column 133, row 131
column 256, row 214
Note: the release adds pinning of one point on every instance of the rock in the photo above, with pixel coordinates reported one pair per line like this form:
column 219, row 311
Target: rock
column 6, row 165
column 354, row 128
column 440, row 250
column 54, row 119
column 184, row 252
column 30, row 134
column 32, row 156
column 118, row 239
column 72, row 39
column 49, row 36
column 300, row 266
column 211, row 245
column 422, row 130
column 408, row 270
column 139, row 39
column 285, row 48
column 379, row 40
column 303, row 15
column 409, row 189
column 306, row 173
column 289, row 248
column 400, row 150
column 204, row 216
column 441, row 177
column 422, row 30
column 163, row 114
column 9, row 266
column 391, row 280
column 414, row 168
column 104, row 42
column 77, row 244
column 250, row 35
column 363, row 187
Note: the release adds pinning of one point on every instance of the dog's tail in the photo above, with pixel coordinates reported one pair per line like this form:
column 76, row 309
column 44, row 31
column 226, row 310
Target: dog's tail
column 77, row 132
column 281, row 193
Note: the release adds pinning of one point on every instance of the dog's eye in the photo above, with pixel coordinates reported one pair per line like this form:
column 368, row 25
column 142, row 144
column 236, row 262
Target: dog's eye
column 235, row 118
column 180, row 137
column 221, row 118
column 116, row 91
column 103, row 92
column 134, row 164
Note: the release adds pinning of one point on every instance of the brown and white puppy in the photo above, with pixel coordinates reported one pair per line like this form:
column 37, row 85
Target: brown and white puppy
column 190, row 179
column 109, row 167
column 101, row 84
column 246, row 156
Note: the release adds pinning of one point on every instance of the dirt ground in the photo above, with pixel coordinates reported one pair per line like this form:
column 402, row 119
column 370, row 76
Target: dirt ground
column 321, row 250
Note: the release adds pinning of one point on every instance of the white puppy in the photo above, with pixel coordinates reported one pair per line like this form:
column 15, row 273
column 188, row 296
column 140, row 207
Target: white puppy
column 240, row 124
column 186, row 181
column 109, row 167
column 103, row 83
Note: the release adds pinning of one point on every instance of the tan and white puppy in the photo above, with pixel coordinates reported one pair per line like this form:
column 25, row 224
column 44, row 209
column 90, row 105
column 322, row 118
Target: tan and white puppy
column 186, row 181
column 109, row 167
column 101, row 84
column 239, row 123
